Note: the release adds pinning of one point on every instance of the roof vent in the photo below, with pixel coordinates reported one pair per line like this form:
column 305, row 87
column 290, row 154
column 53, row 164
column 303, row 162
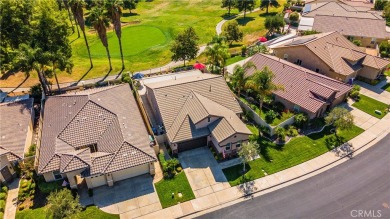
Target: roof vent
column 210, row 88
column 74, row 103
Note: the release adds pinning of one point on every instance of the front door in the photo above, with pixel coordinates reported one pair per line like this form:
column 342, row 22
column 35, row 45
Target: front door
column 6, row 174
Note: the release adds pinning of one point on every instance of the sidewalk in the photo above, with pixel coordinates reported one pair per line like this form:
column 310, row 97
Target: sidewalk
column 275, row 181
column 12, row 199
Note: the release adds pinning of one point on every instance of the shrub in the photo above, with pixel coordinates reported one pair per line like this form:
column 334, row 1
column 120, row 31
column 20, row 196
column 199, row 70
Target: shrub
column 48, row 187
column 4, row 189
column 3, row 196
column 1, row 215
column 2, row 205
column 279, row 107
column 357, row 42
column 61, row 204
column 292, row 131
column 355, row 94
column 280, row 133
column 270, row 116
column 31, row 151
column 162, row 160
column 179, row 169
column 300, row 120
column 294, row 17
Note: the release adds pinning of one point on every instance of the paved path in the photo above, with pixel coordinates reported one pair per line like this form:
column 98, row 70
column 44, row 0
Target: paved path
column 360, row 184
column 375, row 91
column 218, row 27
column 12, row 199
column 361, row 119
column 261, row 186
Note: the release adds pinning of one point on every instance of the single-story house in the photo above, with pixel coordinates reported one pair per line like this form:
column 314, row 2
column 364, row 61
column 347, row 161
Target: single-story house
column 97, row 135
column 367, row 26
column 303, row 89
column 360, row 5
column 16, row 131
column 198, row 110
column 333, row 55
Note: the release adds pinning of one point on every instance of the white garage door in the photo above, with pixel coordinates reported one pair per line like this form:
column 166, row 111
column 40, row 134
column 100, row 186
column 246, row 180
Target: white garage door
column 98, row 181
column 130, row 172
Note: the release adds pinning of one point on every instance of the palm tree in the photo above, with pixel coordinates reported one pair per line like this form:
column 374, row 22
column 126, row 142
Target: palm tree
column 114, row 11
column 217, row 53
column 77, row 9
column 240, row 77
column 261, row 82
column 70, row 18
column 100, row 23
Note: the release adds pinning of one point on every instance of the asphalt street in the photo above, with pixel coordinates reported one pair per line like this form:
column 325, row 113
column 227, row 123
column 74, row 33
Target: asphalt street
column 358, row 188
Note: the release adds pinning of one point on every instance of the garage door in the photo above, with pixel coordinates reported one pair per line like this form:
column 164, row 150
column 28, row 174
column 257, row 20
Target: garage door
column 98, row 181
column 195, row 143
column 130, row 172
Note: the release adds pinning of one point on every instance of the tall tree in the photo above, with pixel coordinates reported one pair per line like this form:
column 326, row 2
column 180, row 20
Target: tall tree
column 66, row 4
column 248, row 152
column 274, row 24
column 232, row 32
column 229, row 4
column 130, row 4
column 185, row 46
column 245, row 5
column 97, row 17
column 240, row 76
column 217, row 52
column 340, row 118
column 262, row 83
column 76, row 7
column 61, row 204
column 114, row 12
column 269, row 3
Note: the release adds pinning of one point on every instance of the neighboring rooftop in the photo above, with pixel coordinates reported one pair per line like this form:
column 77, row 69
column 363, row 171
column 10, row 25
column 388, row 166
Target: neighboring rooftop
column 15, row 119
column 186, row 101
column 337, row 9
column 302, row 86
column 100, row 130
column 337, row 52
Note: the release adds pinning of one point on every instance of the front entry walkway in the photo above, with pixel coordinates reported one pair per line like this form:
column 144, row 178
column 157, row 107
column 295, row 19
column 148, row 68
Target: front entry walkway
column 131, row 197
column 203, row 172
column 360, row 118
column 375, row 92
column 12, row 199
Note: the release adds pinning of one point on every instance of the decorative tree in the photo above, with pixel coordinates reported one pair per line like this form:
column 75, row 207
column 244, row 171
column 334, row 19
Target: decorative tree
column 240, row 77
column 232, row 32
column 62, row 204
column 217, row 53
column 185, row 46
column 269, row 3
column 248, row 152
column 245, row 5
column 114, row 11
column 71, row 19
column 340, row 118
column 273, row 24
column 130, row 4
column 294, row 17
column 229, row 4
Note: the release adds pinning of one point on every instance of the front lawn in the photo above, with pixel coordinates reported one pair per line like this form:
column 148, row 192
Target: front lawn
column 234, row 59
column 369, row 105
column 274, row 158
column 88, row 213
column 179, row 184
column 386, row 87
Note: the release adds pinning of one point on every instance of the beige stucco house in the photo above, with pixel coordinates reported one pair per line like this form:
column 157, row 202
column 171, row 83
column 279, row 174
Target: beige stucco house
column 96, row 135
column 332, row 55
column 196, row 111
column 303, row 90
column 16, row 131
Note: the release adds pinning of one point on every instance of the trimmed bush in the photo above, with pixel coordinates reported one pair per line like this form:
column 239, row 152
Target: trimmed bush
column 2, row 205
column 270, row 116
column 3, row 196
column 4, row 189
column 292, row 131
column 179, row 169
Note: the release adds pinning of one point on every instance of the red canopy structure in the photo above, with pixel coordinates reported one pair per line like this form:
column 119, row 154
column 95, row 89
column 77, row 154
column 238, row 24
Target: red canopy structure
column 199, row 66
column 263, row 39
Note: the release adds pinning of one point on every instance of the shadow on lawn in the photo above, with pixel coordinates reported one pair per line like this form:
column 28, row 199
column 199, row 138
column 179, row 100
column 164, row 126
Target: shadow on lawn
column 243, row 21
column 129, row 14
column 268, row 15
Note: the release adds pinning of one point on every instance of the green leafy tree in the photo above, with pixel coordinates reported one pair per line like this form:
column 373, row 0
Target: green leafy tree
column 229, row 4
column 248, row 152
column 357, row 42
column 240, row 76
column 97, row 17
column 130, row 4
column 114, row 11
column 36, row 92
column 268, row 3
column 386, row 13
column 300, row 119
column 76, row 7
column 232, row 32
column 274, row 24
column 185, row 46
column 280, row 133
column 340, row 118
column 71, row 18
column 294, row 17
column 245, row 5
column 62, row 204
column 380, row 4
column 262, row 83
column 217, row 53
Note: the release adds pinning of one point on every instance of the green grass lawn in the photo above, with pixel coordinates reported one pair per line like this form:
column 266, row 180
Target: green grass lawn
column 41, row 213
column 234, row 59
column 386, row 87
column 274, row 158
column 166, row 187
column 387, row 72
column 369, row 105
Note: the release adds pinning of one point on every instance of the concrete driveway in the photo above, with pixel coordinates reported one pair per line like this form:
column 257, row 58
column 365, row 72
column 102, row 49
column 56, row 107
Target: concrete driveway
column 203, row 172
column 130, row 197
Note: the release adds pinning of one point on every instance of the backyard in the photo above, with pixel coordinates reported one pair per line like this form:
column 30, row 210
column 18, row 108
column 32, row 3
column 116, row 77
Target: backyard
column 369, row 105
column 179, row 186
column 274, row 158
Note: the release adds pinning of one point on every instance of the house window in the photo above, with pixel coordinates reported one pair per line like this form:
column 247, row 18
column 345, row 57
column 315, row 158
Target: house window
column 228, row 146
column 238, row 145
column 317, row 70
column 208, row 119
column 299, row 62
column 57, row 174
column 285, row 57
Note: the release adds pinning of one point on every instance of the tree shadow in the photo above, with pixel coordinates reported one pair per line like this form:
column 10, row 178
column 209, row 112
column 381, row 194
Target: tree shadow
column 128, row 14
column 264, row 149
column 82, row 77
column 6, row 75
column 21, row 83
column 269, row 14
column 334, row 141
column 226, row 16
column 243, row 21
column 104, row 78
column 247, row 186
column 235, row 45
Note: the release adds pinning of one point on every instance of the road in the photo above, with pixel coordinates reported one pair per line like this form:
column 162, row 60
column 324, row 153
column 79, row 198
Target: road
column 358, row 188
